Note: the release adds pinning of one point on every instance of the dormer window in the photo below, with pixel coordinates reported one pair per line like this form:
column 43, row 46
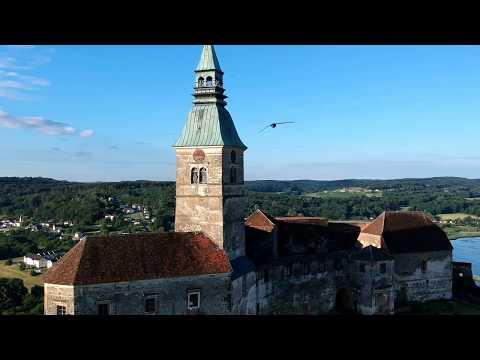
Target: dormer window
column 203, row 176
column 194, row 176
column 209, row 81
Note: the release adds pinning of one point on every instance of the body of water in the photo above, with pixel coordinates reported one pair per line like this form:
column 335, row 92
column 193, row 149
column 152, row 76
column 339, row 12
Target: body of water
column 468, row 250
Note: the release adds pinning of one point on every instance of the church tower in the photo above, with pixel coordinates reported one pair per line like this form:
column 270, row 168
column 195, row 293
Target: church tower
column 210, row 194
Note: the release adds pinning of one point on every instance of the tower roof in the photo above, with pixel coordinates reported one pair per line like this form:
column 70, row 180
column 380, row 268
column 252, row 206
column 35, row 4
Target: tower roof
column 208, row 59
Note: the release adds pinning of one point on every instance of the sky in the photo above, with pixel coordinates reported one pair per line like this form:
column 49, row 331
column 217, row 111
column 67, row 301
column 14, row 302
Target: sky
column 112, row 113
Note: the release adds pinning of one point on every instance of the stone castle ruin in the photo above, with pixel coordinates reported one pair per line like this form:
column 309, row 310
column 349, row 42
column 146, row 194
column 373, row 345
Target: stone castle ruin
column 218, row 261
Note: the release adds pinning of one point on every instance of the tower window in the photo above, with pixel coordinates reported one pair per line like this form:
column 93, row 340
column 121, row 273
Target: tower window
column 383, row 268
column 203, row 176
column 233, row 175
column 200, row 81
column 194, row 176
column 233, row 157
column 209, row 81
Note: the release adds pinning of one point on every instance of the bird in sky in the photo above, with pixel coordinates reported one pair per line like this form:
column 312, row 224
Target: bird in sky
column 274, row 125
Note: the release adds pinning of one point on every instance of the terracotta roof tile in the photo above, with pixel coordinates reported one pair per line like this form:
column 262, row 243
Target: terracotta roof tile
column 138, row 257
column 408, row 231
column 261, row 220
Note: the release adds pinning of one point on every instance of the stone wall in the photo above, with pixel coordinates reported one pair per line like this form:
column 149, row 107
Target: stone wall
column 297, row 288
column 373, row 290
column 216, row 208
column 413, row 284
column 128, row 298
column 58, row 295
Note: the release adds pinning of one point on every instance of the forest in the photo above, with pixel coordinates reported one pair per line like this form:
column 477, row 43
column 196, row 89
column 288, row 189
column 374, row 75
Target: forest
column 85, row 203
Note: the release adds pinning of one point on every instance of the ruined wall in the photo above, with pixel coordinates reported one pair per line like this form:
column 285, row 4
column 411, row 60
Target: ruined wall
column 374, row 290
column 128, row 298
column 297, row 288
column 412, row 284
column 244, row 295
column 58, row 295
column 216, row 208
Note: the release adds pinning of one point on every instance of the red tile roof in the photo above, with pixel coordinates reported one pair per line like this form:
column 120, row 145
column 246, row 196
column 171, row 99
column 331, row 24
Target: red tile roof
column 261, row 220
column 138, row 257
column 397, row 220
column 408, row 231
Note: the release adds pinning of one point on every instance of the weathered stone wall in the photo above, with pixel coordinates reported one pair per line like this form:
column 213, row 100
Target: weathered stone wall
column 216, row 208
column 301, row 292
column 412, row 284
column 128, row 298
column 58, row 295
column 244, row 295
column 374, row 291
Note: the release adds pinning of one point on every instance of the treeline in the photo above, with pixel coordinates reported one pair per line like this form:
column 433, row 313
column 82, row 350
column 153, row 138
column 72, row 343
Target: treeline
column 15, row 299
column 86, row 203
column 18, row 243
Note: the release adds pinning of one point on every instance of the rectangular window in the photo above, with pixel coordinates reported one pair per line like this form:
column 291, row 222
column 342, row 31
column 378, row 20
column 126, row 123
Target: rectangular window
column 362, row 268
column 61, row 310
column 150, row 305
column 383, row 268
column 193, row 299
column 103, row 309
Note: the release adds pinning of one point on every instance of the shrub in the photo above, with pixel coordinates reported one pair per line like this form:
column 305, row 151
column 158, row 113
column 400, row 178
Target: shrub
column 22, row 266
column 9, row 262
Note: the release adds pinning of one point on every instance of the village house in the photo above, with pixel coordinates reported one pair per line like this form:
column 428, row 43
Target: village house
column 218, row 261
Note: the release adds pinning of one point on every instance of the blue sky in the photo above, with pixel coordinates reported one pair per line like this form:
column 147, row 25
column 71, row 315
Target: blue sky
column 111, row 113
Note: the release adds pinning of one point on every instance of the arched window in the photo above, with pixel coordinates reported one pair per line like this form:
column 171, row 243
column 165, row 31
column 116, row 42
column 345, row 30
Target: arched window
column 209, row 81
column 233, row 175
column 233, row 157
column 203, row 176
column 200, row 81
column 194, row 176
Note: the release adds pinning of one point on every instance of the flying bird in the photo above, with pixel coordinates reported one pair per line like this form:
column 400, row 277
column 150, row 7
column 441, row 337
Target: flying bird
column 274, row 125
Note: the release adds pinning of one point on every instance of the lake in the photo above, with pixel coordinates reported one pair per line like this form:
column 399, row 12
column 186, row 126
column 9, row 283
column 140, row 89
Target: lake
column 468, row 250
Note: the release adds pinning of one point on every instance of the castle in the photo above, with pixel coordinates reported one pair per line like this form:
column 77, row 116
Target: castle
column 220, row 262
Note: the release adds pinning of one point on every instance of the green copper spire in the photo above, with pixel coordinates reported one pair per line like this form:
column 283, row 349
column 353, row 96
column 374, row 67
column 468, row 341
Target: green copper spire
column 209, row 123
column 208, row 60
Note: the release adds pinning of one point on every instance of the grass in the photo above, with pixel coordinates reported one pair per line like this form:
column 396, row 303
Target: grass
column 13, row 271
column 445, row 307
column 459, row 231
column 456, row 216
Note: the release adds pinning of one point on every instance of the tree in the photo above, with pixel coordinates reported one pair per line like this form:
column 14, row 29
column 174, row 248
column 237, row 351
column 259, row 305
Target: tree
column 9, row 262
column 22, row 266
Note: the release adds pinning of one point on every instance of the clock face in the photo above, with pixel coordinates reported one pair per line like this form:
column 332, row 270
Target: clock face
column 198, row 155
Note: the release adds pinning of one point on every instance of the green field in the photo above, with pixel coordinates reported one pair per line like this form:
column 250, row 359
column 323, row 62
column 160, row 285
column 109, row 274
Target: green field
column 348, row 193
column 456, row 216
column 13, row 271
